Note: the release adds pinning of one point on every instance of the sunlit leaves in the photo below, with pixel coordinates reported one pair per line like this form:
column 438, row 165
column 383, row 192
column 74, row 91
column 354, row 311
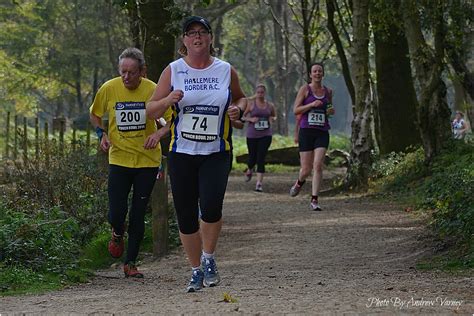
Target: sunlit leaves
column 54, row 51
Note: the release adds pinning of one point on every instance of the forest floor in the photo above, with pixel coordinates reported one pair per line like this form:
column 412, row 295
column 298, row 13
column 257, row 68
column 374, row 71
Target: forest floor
column 275, row 256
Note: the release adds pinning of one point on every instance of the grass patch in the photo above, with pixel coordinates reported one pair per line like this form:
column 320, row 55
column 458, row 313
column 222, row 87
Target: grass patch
column 457, row 260
column 15, row 280
column 95, row 254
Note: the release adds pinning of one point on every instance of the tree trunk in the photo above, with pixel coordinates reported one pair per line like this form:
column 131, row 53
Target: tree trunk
column 158, row 48
column 280, row 102
column 158, row 45
column 306, row 17
column 361, row 138
column 433, row 112
column 395, row 118
column 330, row 5
column 77, row 77
column 217, row 34
column 134, row 25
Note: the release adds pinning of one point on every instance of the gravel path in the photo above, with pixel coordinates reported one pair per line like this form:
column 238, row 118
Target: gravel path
column 275, row 256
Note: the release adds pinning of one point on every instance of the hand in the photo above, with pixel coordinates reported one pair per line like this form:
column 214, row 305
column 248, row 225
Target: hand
column 105, row 143
column 175, row 96
column 317, row 103
column 152, row 141
column 253, row 119
column 234, row 112
column 330, row 111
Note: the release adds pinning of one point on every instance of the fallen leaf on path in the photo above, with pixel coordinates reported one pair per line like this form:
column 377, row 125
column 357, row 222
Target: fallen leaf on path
column 228, row 298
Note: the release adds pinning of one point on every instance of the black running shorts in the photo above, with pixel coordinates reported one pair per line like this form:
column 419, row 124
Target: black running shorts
column 311, row 138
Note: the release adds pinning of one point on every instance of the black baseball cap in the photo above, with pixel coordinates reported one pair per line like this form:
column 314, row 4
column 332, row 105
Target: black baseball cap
column 196, row 19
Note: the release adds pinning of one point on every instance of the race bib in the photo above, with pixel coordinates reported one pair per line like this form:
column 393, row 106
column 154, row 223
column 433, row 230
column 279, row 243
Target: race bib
column 200, row 123
column 262, row 124
column 317, row 117
column 130, row 116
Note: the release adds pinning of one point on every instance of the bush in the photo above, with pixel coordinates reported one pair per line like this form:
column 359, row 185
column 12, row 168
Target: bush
column 443, row 190
column 52, row 206
column 397, row 171
column 449, row 192
column 69, row 182
column 42, row 241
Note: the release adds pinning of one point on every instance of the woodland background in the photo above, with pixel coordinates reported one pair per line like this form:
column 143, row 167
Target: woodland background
column 399, row 69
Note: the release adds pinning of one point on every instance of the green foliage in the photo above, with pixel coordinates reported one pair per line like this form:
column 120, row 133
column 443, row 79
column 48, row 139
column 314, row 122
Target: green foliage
column 43, row 61
column 62, row 179
column 50, row 208
column 397, row 170
column 40, row 240
column 449, row 192
column 18, row 279
column 444, row 191
column 94, row 255
column 340, row 141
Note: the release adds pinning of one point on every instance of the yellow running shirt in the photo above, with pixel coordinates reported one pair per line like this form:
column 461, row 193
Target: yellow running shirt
column 128, row 125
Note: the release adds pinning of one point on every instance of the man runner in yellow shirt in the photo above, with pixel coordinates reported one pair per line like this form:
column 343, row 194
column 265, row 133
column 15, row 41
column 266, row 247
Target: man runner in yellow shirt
column 133, row 144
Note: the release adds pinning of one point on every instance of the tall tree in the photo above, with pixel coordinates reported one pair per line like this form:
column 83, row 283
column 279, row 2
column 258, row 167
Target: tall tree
column 459, row 47
column 43, row 42
column 395, row 114
column 281, row 65
column 361, row 138
column 433, row 112
column 157, row 33
column 332, row 7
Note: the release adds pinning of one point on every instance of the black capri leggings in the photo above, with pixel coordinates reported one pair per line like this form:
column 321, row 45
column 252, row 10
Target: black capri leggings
column 198, row 183
column 258, row 148
column 121, row 180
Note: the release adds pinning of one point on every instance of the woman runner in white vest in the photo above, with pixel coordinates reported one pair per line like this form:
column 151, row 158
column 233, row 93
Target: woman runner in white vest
column 205, row 96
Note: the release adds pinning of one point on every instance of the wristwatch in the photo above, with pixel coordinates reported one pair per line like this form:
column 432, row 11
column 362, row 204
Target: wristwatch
column 100, row 132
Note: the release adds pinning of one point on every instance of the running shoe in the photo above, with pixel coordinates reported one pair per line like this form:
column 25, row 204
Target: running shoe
column 248, row 175
column 130, row 270
column 196, row 281
column 116, row 245
column 295, row 189
column 315, row 205
column 258, row 187
column 211, row 276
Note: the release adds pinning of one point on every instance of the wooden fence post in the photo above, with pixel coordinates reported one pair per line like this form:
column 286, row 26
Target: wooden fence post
column 88, row 134
column 73, row 136
column 62, row 127
column 46, row 143
column 159, row 207
column 37, row 140
column 103, row 156
column 15, row 139
column 7, row 137
column 25, row 141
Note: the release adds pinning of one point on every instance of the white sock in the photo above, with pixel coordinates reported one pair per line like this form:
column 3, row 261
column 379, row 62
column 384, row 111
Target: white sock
column 207, row 255
column 196, row 268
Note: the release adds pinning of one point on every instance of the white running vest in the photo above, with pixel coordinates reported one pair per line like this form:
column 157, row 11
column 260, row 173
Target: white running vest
column 200, row 124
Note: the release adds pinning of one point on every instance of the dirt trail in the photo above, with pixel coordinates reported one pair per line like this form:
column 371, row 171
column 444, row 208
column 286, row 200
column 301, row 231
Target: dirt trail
column 276, row 256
